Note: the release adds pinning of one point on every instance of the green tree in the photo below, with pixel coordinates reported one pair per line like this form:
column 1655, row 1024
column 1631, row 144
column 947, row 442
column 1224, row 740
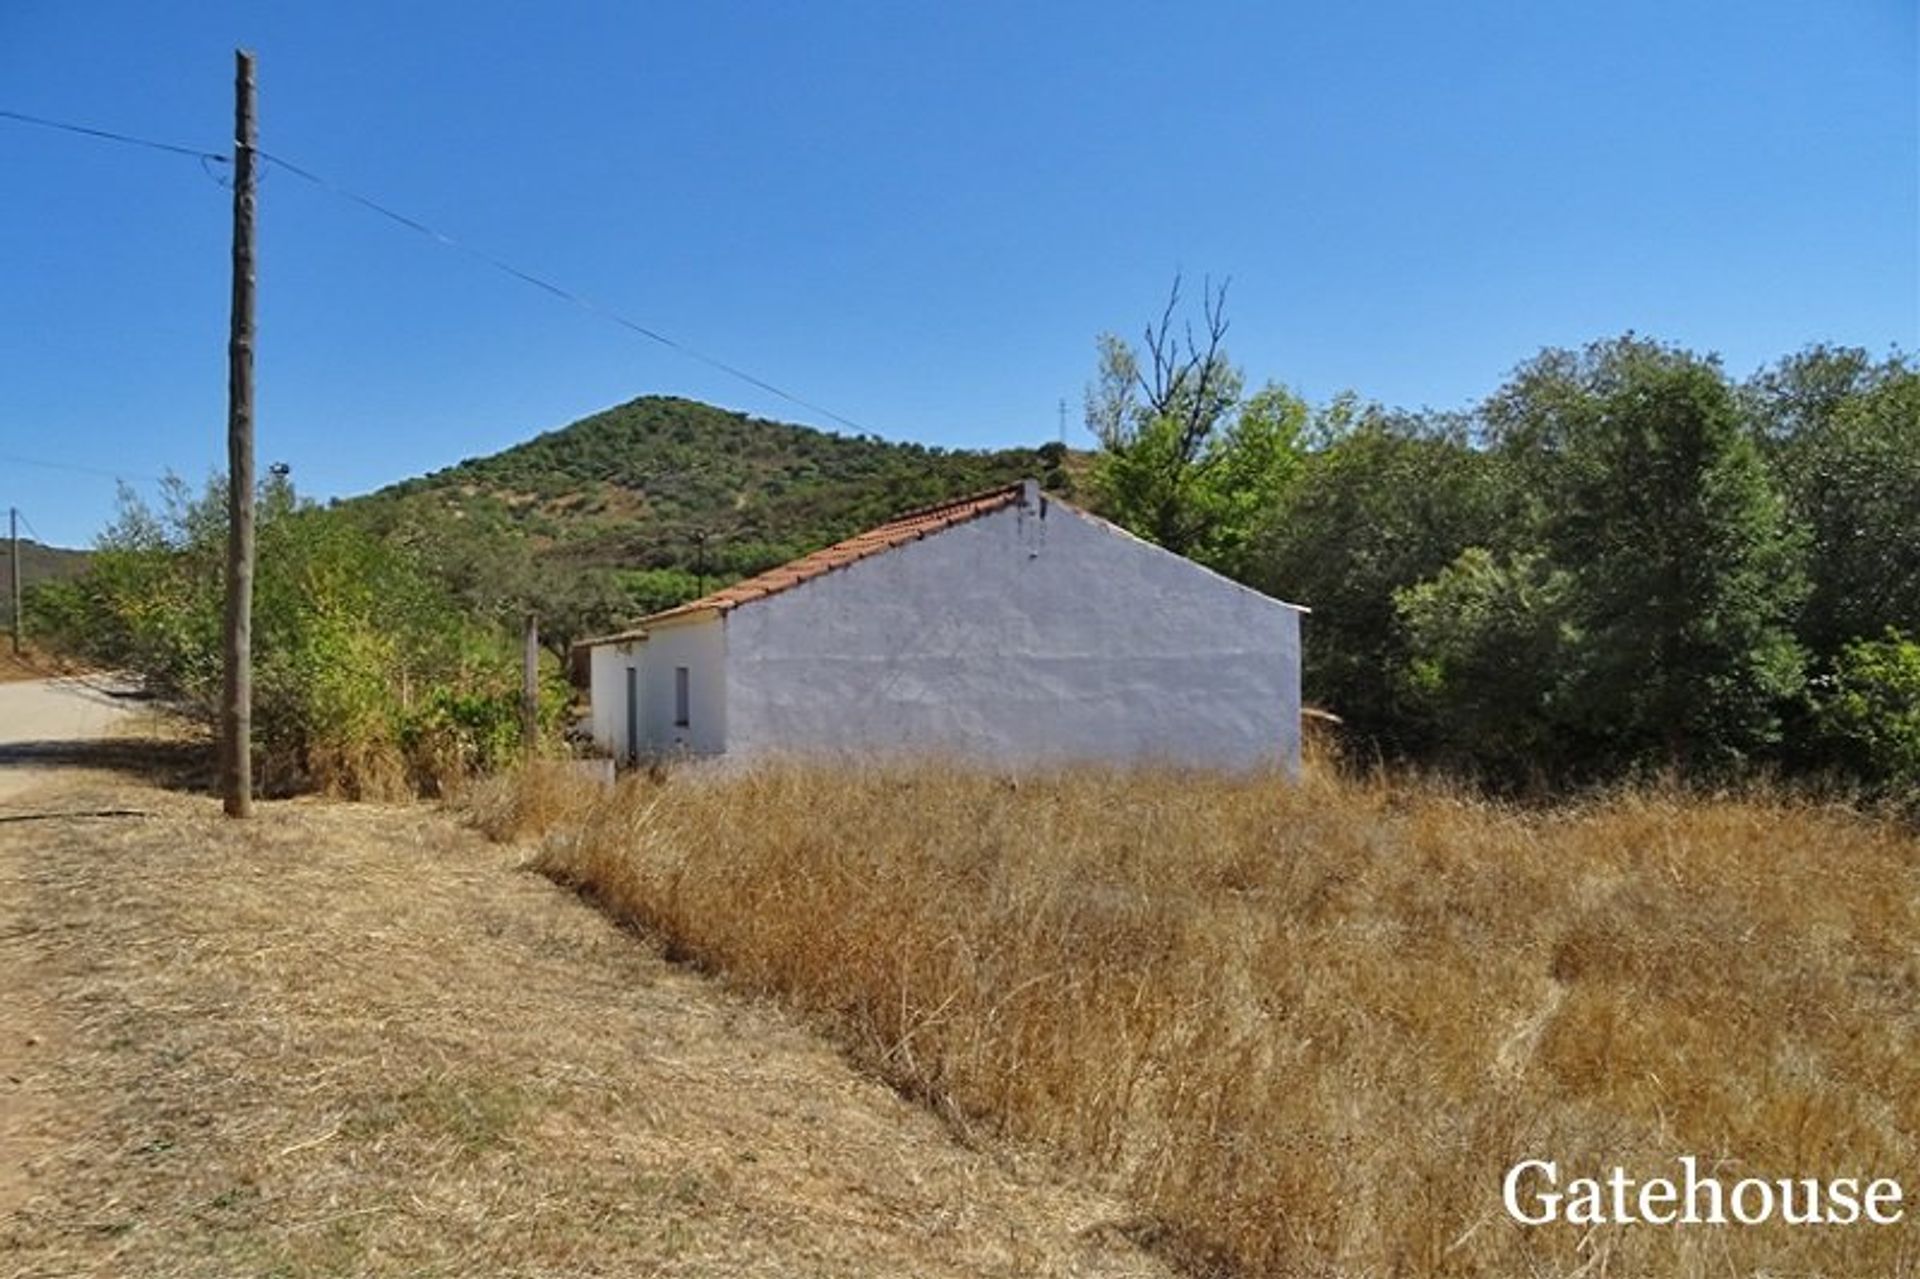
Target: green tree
column 1843, row 434
column 654, row 590
column 1186, row 459
column 1385, row 501
column 1685, row 576
column 1486, row 640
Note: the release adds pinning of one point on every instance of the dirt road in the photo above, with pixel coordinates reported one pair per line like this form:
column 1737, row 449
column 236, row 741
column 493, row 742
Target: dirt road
column 359, row 1040
column 42, row 721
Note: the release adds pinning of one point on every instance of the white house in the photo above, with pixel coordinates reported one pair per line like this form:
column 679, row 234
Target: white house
column 1003, row 628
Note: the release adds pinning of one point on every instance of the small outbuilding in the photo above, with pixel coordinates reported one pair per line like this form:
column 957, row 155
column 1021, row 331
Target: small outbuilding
column 1006, row 628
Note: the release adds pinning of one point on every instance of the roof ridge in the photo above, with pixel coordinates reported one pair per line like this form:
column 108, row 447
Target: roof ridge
column 907, row 526
column 968, row 499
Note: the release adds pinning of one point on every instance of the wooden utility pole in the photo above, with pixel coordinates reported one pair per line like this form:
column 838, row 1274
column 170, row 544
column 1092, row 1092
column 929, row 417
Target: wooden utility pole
column 13, row 538
column 530, row 687
column 236, row 698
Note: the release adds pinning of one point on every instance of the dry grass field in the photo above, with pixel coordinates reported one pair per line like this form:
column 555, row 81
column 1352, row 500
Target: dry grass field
column 1307, row 1030
column 346, row 1040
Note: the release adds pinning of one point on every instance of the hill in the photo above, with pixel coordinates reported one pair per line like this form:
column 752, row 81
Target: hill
column 661, row 497
column 38, row 563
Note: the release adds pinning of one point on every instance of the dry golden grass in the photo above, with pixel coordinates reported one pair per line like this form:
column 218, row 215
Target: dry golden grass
column 360, row 1040
column 1310, row 1028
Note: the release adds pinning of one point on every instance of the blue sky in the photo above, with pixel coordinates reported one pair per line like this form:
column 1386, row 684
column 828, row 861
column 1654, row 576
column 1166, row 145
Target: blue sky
column 916, row 216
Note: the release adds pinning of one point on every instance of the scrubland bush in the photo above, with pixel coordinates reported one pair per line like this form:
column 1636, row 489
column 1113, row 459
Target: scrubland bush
column 369, row 680
column 1309, row 1028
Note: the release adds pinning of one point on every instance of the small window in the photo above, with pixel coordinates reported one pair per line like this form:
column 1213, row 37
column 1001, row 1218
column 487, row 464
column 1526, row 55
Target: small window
column 682, row 710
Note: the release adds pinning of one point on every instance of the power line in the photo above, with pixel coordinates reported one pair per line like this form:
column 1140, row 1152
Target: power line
column 78, row 469
column 110, row 136
column 499, row 264
column 565, row 295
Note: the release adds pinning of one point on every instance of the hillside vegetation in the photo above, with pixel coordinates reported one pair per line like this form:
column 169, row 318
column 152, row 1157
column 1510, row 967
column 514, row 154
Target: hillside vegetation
column 641, row 507
column 1311, row 1027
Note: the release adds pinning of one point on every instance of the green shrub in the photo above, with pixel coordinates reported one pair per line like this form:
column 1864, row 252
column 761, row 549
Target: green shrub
column 1870, row 708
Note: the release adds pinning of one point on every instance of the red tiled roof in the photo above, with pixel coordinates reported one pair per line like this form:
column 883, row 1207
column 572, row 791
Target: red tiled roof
column 910, row 527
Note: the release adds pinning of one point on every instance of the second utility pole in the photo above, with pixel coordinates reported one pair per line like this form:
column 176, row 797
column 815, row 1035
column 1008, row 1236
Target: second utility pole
column 13, row 538
column 236, row 694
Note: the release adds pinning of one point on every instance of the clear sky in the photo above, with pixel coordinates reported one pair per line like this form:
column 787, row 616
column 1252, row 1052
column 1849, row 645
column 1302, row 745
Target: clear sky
column 918, row 216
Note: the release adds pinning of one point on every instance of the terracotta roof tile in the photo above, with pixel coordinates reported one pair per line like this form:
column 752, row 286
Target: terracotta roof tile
column 910, row 527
